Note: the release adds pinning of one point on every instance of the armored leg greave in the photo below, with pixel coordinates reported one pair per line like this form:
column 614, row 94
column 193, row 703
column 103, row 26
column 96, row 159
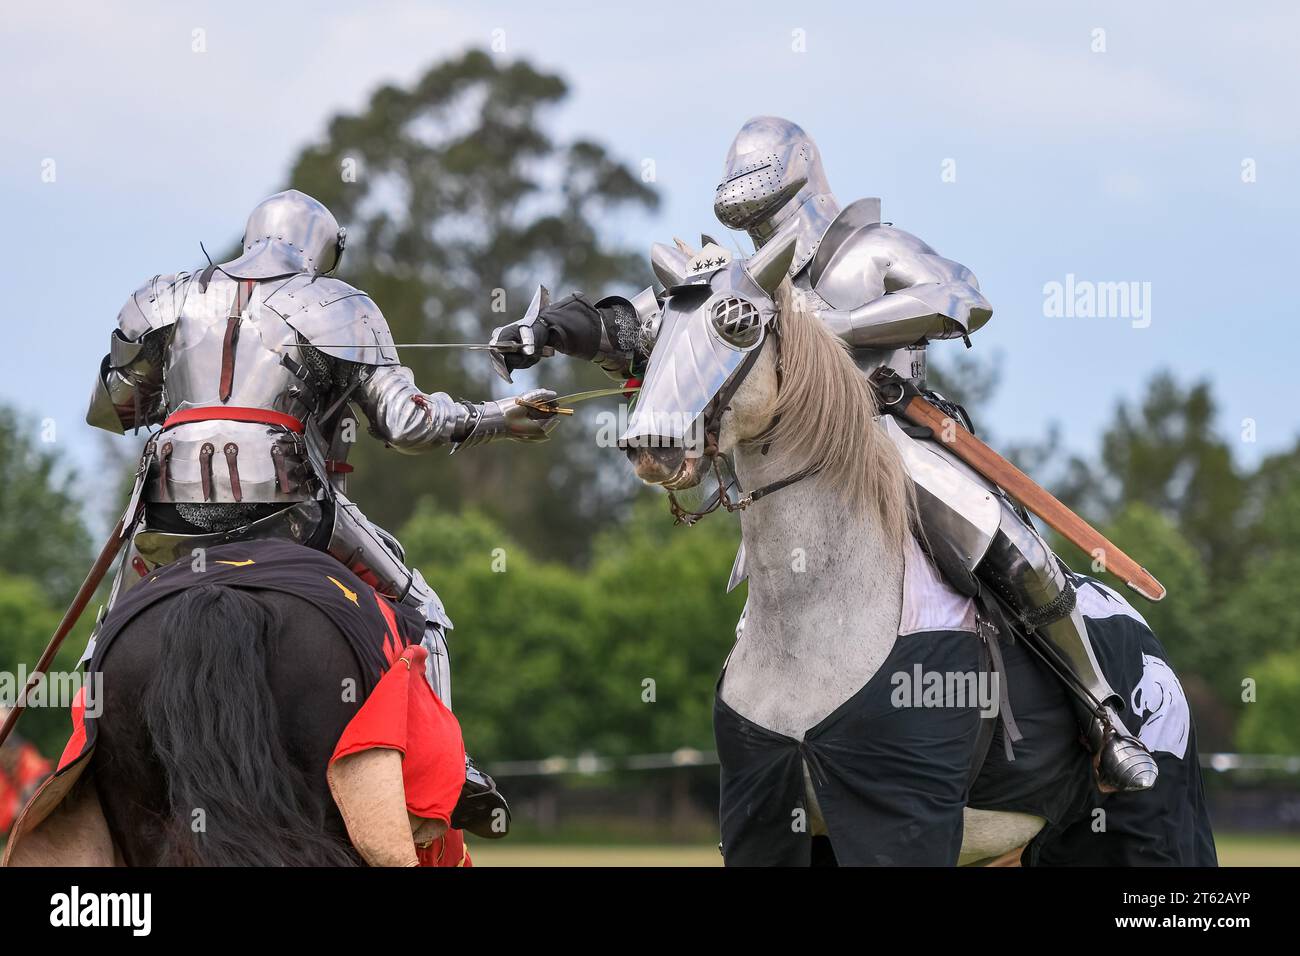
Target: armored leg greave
column 1021, row 567
column 481, row 810
column 438, row 664
column 1023, row 570
column 123, row 578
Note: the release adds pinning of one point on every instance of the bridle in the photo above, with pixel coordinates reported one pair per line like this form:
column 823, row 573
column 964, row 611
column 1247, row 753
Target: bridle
column 713, row 413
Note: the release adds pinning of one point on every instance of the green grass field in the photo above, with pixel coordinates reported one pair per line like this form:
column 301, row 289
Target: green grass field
column 1234, row 850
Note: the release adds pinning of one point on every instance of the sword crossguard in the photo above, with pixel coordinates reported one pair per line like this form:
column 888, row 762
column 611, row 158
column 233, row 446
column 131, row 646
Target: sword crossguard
column 543, row 407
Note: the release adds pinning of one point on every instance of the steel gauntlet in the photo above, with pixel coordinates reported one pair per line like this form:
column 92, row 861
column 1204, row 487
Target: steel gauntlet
column 516, row 418
column 411, row 421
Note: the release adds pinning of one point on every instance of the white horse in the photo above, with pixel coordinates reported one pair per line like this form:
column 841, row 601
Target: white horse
column 828, row 554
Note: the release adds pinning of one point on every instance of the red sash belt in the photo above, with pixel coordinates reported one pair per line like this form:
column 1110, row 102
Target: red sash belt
column 231, row 413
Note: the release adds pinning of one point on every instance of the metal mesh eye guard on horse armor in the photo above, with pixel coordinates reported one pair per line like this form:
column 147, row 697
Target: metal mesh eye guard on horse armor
column 737, row 322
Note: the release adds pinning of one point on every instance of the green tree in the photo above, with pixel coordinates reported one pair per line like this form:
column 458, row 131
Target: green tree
column 664, row 616
column 521, row 680
column 1271, row 725
column 457, row 204
column 1271, row 524
column 41, row 532
column 45, row 553
column 1225, row 541
column 550, row 660
column 1166, row 454
column 1258, row 616
column 1181, row 619
column 29, row 621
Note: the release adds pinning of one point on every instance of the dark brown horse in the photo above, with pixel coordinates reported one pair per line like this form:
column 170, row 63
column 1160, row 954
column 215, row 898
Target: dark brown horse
column 220, row 734
column 221, row 710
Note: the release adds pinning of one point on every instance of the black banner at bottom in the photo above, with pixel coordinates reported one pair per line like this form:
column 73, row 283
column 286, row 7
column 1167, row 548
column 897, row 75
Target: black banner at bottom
column 300, row 905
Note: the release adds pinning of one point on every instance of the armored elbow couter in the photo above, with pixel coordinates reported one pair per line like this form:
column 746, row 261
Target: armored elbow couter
column 918, row 314
column 127, row 387
column 108, row 396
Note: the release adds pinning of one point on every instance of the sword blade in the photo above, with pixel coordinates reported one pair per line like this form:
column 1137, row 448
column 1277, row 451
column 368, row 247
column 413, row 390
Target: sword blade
column 472, row 346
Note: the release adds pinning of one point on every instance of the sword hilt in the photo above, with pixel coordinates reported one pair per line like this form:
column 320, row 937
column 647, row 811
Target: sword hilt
column 544, row 408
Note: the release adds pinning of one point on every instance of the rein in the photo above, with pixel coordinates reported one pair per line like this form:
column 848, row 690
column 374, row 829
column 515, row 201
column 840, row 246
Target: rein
column 720, row 497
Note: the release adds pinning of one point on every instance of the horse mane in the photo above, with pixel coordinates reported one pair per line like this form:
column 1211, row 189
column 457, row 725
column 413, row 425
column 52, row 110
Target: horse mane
column 827, row 420
column 217, row 734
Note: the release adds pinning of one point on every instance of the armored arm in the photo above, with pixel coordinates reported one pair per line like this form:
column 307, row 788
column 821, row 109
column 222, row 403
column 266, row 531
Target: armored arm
column 411, row 421
column 346, row 325
column 925, row 295
column 128, row 388
column 611, row 333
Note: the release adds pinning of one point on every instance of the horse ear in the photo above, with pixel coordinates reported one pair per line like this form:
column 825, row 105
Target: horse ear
column 669, row 264
column 681, row 244
column 707, row 240
column 769, row 265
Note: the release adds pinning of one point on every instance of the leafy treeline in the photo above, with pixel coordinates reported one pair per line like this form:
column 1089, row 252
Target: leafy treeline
column 619, row 653
column 1224, row 540
column 45, row 552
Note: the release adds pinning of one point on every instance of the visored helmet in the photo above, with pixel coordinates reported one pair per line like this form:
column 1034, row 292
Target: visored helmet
column 772, row 168
column 287, row 234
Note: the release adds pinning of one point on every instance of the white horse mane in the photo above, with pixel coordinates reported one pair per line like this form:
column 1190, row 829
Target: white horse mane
column 827, row 420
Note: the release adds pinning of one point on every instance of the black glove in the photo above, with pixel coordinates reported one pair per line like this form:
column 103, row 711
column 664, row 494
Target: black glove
column 533, row 335
column 571, row 326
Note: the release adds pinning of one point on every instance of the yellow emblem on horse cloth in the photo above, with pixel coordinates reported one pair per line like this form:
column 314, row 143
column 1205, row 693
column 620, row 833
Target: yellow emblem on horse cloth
column 347, row 592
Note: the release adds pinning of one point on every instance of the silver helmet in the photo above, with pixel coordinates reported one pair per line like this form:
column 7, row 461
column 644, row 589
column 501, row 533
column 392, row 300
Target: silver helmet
column 773, row 168
column 287, row 234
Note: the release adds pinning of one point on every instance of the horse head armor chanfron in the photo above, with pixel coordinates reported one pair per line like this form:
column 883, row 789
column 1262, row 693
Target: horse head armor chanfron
column 716, row 316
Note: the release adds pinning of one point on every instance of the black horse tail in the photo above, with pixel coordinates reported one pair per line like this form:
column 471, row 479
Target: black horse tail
column 235, row 797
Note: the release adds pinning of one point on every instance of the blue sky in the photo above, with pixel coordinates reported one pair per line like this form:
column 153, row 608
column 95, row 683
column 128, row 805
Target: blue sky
column 1122, row 165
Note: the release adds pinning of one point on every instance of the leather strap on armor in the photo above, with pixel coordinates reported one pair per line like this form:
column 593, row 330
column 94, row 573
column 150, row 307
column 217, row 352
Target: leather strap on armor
column 205, row 469
column 228, row 358
column 281, row 469
column 234, row 413
column 231, row 452
column 164, row 472
column 243, row 291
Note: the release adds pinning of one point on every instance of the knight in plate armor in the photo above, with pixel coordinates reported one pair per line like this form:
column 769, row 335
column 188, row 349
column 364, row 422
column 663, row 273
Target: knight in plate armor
column 250, row 369
column 887, row 294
